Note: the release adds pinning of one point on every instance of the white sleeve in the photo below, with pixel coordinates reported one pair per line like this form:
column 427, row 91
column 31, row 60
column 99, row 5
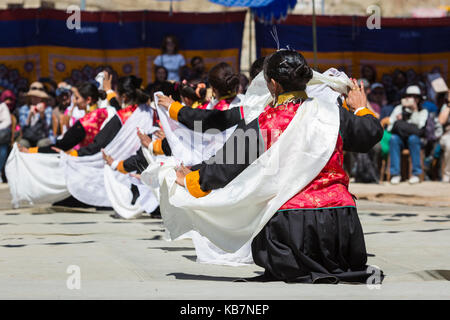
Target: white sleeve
column 157, row 61
column 5, row 116
column 393, row 117
column 182, row 61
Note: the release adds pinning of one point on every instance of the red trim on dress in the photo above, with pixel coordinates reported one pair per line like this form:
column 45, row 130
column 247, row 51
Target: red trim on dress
column 330, row 187
column 125, row 113
column 92, row 122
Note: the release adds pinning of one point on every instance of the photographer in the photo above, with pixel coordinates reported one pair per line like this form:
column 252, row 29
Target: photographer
column 407, row 123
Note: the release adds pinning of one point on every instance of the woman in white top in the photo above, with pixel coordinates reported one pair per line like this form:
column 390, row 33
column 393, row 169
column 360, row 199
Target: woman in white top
column 170, row 58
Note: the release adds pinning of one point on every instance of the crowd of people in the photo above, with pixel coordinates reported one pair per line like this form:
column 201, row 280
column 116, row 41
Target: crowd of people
column 370, row 121
column 412, row 109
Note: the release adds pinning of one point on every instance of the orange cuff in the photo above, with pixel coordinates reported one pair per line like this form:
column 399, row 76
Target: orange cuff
column 174, row 108
column 364, row 112
column 33, row 150
column 344, row 104
column 72, row 152
column 157, row 147
column 193, row 184
column 120, row 168
column 110, row 95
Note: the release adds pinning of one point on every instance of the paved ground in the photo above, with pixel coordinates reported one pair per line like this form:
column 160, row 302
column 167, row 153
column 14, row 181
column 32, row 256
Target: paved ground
column 131, row 260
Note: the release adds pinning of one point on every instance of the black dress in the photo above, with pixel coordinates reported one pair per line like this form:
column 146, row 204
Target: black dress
column 324, row 245
column 312, row 246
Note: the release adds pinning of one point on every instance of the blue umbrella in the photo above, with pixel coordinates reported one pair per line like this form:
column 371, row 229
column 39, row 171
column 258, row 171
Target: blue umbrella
column 265, row 10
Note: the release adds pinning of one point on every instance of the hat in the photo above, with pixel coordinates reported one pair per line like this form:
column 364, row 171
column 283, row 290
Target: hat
column 37, row 93
column 37, row 90
column 62, row 90
column 439, row 85
column 7, row 94
column 36, row 86
column 376, row 85
column 414, row 90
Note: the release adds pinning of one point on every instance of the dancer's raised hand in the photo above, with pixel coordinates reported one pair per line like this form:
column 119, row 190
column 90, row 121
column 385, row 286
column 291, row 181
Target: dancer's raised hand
column 108, row 159
column 165, row 101
column 57, row 150
column 356, row 97
column 107, row 81
column 160, row 134
column 22, row 148
column 182, row 171
column 145, row 139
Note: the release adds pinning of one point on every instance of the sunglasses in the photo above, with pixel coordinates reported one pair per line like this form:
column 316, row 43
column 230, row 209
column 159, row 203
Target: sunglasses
column 37, row 88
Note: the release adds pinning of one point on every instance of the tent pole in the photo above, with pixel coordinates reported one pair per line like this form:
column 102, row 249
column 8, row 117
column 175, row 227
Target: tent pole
column 314, row 34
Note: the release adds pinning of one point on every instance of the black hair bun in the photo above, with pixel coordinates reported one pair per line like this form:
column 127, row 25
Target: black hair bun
column 232, row 80
column 102, row 94
column 302, row 73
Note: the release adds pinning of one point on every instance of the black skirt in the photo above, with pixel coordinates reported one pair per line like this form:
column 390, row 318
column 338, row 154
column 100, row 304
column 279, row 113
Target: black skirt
column 312, row 246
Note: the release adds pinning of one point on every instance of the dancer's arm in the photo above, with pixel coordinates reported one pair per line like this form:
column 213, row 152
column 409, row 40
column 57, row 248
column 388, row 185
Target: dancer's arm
column 210, row 119
column 71, row 138
column 103, row 138
column 136, row 162
column 359, row 133
column 237, row 154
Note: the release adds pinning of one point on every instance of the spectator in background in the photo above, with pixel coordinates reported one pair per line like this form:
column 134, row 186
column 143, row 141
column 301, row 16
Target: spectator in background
column 367, row 90
column 444, row 119
column 400, row 83
column 387, row 82
column 406, row 124
column 170, row 58
column 9, row 98
column 378, row 100
column 60, row 121
column 199, row 71
column 369, row 73
column 411, row 77
column 161, row 83
column 35, row 118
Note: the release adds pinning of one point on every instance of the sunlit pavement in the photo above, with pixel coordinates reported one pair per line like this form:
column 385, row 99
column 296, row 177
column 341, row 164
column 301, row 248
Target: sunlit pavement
column 119, row 259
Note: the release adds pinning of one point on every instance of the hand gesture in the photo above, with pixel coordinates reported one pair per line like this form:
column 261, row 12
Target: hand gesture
column 107, row 81
column 160, row 134
column 165, row 101
column 22, row 148
column 57, row 150
column 108, row 159
column 182, row 171
column 356, row 97
column 145, row 139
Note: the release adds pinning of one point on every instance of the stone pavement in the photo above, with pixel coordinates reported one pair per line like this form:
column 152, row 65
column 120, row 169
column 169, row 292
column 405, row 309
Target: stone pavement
column 121, row 259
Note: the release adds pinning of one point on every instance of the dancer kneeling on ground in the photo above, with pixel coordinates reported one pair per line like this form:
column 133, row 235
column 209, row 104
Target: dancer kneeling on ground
column 316, row 236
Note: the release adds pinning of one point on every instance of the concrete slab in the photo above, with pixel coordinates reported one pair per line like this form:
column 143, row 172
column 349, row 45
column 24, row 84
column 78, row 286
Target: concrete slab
column 121, row 259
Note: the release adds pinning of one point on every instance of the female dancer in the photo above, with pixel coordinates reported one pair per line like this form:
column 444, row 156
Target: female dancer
column 315, row 236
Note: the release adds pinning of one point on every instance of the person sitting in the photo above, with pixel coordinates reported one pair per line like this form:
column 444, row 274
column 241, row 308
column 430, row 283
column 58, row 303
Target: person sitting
column 406, row 124
column 199, row 72
column 85, row 130
column 35, row 118
column 161, row 83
